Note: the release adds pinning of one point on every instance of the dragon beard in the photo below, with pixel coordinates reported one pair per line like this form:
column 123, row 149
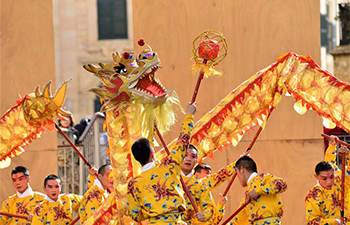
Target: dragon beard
column 161, row 114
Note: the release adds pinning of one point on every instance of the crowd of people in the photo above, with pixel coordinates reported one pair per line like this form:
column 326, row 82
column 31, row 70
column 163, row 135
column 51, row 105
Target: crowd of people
column 157, row 194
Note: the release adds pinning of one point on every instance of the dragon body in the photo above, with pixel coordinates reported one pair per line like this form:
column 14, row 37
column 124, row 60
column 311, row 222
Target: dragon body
column 25, row 121
column 251, row 102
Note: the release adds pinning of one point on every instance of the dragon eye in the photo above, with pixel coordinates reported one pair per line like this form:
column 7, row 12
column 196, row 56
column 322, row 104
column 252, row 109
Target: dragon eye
column 123, row 71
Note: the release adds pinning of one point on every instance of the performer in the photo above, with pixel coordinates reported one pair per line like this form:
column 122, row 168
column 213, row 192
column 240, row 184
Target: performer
column 24, row 201
column 263, row 189
column 56, row 208
column 214, row 180
column 202, row 170
column 198, row 189
column 323, row 200
column 156, row 194
column 96, row 194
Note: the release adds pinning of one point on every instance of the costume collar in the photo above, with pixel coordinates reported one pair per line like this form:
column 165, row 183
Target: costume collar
column 50, row 200
column 26, row 193
column 148, row 166
column 254, row 174
column 97, row 183
column 188, row 175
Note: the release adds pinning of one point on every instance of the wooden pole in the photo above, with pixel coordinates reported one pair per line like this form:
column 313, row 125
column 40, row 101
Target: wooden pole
column 181, row 180
column 342, row 203
column 200, row 78
column 339, row 141
column 236, row 212
column 14, row 215
column 74, row 221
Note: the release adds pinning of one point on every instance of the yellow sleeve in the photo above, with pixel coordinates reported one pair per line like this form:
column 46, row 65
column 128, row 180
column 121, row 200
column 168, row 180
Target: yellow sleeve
column 207, row 203
column 314, row 209
column 271, row 185
column 178, row 153
column 6, row 209
column 134, row 209
column 75, row 200
column 219, row 177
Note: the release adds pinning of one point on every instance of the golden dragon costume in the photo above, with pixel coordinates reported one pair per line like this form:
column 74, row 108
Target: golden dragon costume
column 133, row 101
column 24, row 122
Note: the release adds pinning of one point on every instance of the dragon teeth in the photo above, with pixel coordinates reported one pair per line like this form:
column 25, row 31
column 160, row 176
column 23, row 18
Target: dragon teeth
column 133, row 84
column 149, row 70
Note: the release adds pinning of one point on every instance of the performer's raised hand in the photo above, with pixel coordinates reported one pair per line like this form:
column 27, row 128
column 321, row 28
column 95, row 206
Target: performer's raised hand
column 333, row 140
column 343, row 149
column 200, row 216
column 191, row 108
column 222, row 199
column 93, row 171
column 251, row 195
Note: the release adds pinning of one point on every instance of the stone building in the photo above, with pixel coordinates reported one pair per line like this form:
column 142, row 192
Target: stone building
column 88, row 31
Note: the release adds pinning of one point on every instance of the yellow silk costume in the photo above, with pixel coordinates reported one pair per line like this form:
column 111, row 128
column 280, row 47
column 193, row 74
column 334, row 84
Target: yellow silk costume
column 156, row 194
column 24, row 205
column 94, row 197
column 268, row 207
column 322, row 205
column 213, row 181
column 57, row 213
column 202, row 198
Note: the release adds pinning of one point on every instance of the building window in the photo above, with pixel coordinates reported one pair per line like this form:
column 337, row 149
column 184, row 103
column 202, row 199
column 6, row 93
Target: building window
column 324, row 30
column 112, row 19
column 344, row 17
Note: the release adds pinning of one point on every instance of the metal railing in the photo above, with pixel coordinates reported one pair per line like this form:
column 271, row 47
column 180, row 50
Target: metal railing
column 92, row 144
column 68, row 162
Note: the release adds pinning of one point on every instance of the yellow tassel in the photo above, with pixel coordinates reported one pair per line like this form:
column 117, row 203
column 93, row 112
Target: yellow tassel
column 208, row 70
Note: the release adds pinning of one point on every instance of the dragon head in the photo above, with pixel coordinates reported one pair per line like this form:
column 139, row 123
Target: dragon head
column 129, row 79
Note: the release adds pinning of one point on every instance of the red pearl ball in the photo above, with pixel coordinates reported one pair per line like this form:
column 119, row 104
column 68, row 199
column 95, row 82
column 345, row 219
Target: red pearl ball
column 208, row 49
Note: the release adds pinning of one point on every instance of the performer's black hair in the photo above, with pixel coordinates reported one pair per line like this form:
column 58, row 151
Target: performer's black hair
column 141, row 149
column 102, row 169
column 200, row 167
column 20, row 169
column 323, row 166
column 247, row 163
column 52, row 177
